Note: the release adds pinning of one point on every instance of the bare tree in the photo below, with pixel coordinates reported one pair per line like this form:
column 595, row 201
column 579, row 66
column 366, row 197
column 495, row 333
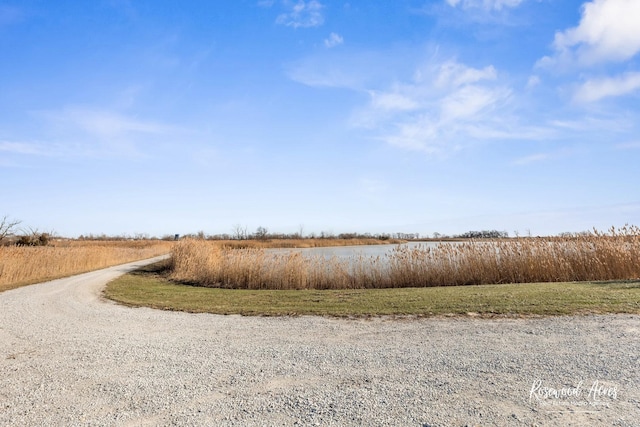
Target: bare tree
column 261, row 233
column 239, row 232
column 7, row 227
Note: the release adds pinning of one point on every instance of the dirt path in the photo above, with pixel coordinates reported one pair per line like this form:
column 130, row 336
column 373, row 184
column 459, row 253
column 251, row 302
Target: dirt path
column 67, row 357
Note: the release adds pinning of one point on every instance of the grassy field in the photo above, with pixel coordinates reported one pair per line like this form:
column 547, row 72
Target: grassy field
column 24, row 265
column 151, row 287
column 592, row 257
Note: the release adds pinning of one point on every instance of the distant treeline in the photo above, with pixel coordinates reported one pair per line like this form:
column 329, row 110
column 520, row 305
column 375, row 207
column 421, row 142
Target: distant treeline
column 10, row 234
column 262, row 233
column 118, row 237
column 484, row 234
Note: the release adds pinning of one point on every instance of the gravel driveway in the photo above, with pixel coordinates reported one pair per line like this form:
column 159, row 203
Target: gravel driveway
column 68, row 357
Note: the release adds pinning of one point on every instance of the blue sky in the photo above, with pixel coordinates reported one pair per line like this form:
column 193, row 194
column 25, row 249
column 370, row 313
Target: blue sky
column 163, row 117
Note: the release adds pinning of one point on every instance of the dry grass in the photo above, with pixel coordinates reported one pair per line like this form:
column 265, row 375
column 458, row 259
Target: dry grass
column 600, row 256
column 25, row 265
column 300, row 243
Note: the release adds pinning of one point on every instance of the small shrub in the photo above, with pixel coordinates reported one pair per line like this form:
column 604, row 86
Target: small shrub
column 34, row 239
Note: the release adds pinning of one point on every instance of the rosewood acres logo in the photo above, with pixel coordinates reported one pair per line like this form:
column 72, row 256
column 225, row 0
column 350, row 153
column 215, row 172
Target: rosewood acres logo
column 583, row 396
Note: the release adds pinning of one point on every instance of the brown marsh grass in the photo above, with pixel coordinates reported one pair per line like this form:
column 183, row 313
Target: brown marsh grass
column 301, row 243
column 614, row 255
column 20, row 265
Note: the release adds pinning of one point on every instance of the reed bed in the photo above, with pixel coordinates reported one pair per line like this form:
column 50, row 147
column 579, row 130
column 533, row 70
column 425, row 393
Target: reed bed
column 301, row 243
column 614, row 255
column 21, row 265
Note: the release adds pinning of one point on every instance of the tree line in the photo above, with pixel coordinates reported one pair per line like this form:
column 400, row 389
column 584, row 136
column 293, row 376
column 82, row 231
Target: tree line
column 11, row 234
column 239, row 232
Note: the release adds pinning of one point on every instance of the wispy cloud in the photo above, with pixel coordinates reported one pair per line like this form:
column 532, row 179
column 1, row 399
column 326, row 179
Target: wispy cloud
column 484, row 4
column 24, row 148
column 533, row 81
column 84, row 131
column 339, row 68
column 634, row 145
column 333, row 40
column 597, row 89
column 608, row 31
column 533, row 158
column 454, row 74
column 102, row 123
column 303, row 14
column 444, row 104
column 466, row 15
column 392, row 101
column 606, row 124
column 50, row 149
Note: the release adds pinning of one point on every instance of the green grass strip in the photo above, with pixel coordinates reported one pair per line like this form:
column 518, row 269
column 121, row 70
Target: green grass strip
column 147, row 288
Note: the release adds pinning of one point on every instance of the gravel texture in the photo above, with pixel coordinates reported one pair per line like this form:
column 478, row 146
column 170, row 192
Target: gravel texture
column 68, row 357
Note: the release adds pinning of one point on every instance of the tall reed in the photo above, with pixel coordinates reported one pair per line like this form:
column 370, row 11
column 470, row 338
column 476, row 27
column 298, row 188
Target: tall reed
column 25, row 264
column 599, row 256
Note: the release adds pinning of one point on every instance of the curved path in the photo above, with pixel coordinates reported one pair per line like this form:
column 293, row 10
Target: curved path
column 68, row 357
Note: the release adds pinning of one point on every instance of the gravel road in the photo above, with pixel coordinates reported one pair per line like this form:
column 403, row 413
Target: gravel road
column 68, row 357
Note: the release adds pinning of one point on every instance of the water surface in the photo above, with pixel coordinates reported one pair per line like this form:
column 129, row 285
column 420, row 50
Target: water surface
column 347, row 252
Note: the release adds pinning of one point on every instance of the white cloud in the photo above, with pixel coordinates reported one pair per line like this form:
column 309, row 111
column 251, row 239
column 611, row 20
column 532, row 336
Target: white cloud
column 467, row 102
column 303, row 14
column 444, row 103
column 454, row 74
column 392, row 101
column 484, row 4
column 533, row 81
column 82, row 131
column 439, row 107
column 614, row 123
column 333, row 40
column 608, row 31
column 596, row 89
